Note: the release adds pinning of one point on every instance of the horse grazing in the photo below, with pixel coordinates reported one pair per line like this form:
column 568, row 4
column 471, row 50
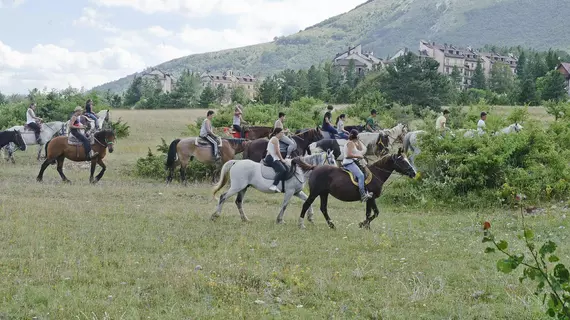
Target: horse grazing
column 57, row 149
column 182, row 151
column 256, row 149
column 337, row 182
column 12, row 136
column 251, row 132
column 246, row 173
column 48, row 130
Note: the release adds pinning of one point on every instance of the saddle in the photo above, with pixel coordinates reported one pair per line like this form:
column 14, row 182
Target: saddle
column 72, row 140
column 202, row 142
column 367, row 176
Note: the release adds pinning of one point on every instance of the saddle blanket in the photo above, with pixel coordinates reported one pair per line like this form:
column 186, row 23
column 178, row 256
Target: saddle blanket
column 201, row 142
column 72, row 140
column 367, row 176
column 269, row 173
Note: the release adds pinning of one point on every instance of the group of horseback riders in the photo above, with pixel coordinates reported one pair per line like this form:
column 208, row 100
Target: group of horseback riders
column 77, row 129
column 352, row 149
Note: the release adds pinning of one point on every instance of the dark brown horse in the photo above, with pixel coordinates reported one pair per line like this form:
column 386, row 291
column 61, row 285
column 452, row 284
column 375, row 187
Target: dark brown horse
column 256, row 149
column 251, row 132
column 57, row 149
column 181, row 152
column 327, row 180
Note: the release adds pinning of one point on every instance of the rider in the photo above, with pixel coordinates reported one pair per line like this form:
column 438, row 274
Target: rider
column 327, row 126
column 237, row 121
column 343, row 134
column 274, row 157
column 32, row 121
column 440, row 123
column 371, row 125
column 292, row 145
column 481, row 123
column 351, row 152
column 207, row 133
column 89, row 113
column 77, row 130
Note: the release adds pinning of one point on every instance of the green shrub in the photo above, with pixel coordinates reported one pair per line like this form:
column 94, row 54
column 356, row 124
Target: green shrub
column 122, row 129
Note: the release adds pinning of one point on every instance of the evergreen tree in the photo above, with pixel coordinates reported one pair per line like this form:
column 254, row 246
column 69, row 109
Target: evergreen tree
column 552, row 87
column 351, row 78
column 317, row 83
column 239, row 95
column 207, row 97
column 3, row 99
column 501, row 78
column 221, row 93
column 186, row 91
column 302, row 84
column 521, row 65
column 456, row 77
column 134, row 92
column 552, row 60
column 269, row 91
column 478, row 80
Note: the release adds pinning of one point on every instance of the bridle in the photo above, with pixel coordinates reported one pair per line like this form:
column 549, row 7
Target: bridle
column 107, row 142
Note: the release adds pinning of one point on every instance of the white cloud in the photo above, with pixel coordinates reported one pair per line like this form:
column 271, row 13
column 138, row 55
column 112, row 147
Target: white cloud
column 187, row 7
column 92, row 18
column 159, row 31
column 57, row 67
column 11, row 3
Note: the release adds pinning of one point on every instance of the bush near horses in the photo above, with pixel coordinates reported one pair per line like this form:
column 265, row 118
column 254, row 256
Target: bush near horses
column 489, row 170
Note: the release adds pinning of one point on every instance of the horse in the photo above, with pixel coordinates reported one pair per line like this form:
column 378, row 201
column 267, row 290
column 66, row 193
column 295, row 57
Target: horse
column 48, row 130
column 251, row 132
column 58, row 148
column 513, row 128
column 337, row 182
column 102, row 116
column 246, row 173
column 382, row 141
column 327, row 144
column 12, row 136
column 182, row 151
column 256, row 149
column 358, row 128
column 411, row 143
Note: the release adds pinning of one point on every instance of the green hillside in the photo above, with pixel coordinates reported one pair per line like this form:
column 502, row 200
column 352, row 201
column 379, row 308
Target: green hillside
column 385, row 26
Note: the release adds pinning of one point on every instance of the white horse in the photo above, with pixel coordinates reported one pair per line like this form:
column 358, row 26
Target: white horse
column 246, row 173
column 372, row 139
column 515, row 127
column 411, row 143
column 102, row 117
column 48, row 130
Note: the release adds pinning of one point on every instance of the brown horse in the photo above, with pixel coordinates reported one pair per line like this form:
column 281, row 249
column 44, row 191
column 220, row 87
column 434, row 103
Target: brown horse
column 251, row 133
column 57, row 149
column 181, row 152
column 256, row 149
column 327, row 180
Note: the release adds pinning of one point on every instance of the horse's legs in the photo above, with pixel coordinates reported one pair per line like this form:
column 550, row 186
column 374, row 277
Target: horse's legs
column 366, row 222
column 40, row 147
column 46, row 164
column 306, row 206
column 301, row 195
column 183, row 165
column 223, row 199
column 375, row 209
column 103, row 169
column 239, row 204
column 286, row 199
column 10, row 154
column 93, row 165
column 60, row 168
column 324, row 202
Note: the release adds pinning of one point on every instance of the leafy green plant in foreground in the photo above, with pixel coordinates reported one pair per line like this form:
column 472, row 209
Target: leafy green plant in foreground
column 552, row 282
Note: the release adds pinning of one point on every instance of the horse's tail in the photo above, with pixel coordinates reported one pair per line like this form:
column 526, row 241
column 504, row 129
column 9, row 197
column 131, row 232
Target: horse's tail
column 406, row 142
column 46, row 150
column 223, row 177
column 172, row 153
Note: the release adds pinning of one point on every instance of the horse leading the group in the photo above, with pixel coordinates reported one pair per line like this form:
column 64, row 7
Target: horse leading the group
column 48, row 130
column 60, row 148
column 327, row 180
column 245, row 173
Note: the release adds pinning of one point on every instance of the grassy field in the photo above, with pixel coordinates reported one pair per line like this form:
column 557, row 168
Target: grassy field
column 128, row 248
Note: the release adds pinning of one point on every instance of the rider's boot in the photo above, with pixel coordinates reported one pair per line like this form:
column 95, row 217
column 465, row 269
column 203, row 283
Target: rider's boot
column 93, row 154
column 364, row 196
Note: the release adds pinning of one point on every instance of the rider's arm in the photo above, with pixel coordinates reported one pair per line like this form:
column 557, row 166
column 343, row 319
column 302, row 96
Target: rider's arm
column 73, row 125
column 277, row 151
column 209, row 127
column 351, row 154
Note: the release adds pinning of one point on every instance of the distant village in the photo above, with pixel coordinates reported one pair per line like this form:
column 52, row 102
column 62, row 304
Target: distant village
column 448, row 56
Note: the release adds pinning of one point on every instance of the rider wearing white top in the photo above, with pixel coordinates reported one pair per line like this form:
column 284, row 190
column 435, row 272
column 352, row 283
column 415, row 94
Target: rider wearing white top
column 32, row 122
column 207, row 133
column 274, row 158
column 343, row 134
column 481, row 123
column 236, row 124
column 292, row 145
column 440, row 123
column 351, row 149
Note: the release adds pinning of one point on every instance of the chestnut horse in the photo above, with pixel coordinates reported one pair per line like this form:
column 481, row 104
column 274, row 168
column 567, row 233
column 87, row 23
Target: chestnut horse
column 327, row 180
column 256, row 149
column 57, row 149
column 181, row 152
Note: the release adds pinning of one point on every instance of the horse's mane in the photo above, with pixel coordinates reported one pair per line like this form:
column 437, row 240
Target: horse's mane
column 298, row 161
column 381, row 163
column 103, row 133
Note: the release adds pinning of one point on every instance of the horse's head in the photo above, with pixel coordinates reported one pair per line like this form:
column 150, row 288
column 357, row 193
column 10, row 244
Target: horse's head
column 517, row 127
column 106, row 138
column 404, row 131
column 330, row 158
column 402, row 165
column 107, row 116
column 19, row 141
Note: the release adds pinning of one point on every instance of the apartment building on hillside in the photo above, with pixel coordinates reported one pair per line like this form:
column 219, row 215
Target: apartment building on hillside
column 465, row 59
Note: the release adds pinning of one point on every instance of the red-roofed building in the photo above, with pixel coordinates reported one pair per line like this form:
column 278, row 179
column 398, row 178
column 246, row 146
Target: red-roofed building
column 564, row 68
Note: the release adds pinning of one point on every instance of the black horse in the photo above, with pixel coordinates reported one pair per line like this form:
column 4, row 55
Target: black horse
column 12, row 136
column 329, row 144
column 358, row 128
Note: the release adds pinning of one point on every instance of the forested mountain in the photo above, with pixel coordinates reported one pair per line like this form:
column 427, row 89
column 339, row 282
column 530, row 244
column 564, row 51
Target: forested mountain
column 385, row 26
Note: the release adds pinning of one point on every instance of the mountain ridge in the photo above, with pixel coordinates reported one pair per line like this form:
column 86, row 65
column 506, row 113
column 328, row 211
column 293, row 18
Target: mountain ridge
column 385, row 26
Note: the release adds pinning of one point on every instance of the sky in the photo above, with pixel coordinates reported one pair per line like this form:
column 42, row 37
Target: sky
column 85, row 43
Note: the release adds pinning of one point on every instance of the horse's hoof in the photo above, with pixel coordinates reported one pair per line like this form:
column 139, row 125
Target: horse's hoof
column 302, row 226
column 280, row 221
column 331, row 225
column 214, row 217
